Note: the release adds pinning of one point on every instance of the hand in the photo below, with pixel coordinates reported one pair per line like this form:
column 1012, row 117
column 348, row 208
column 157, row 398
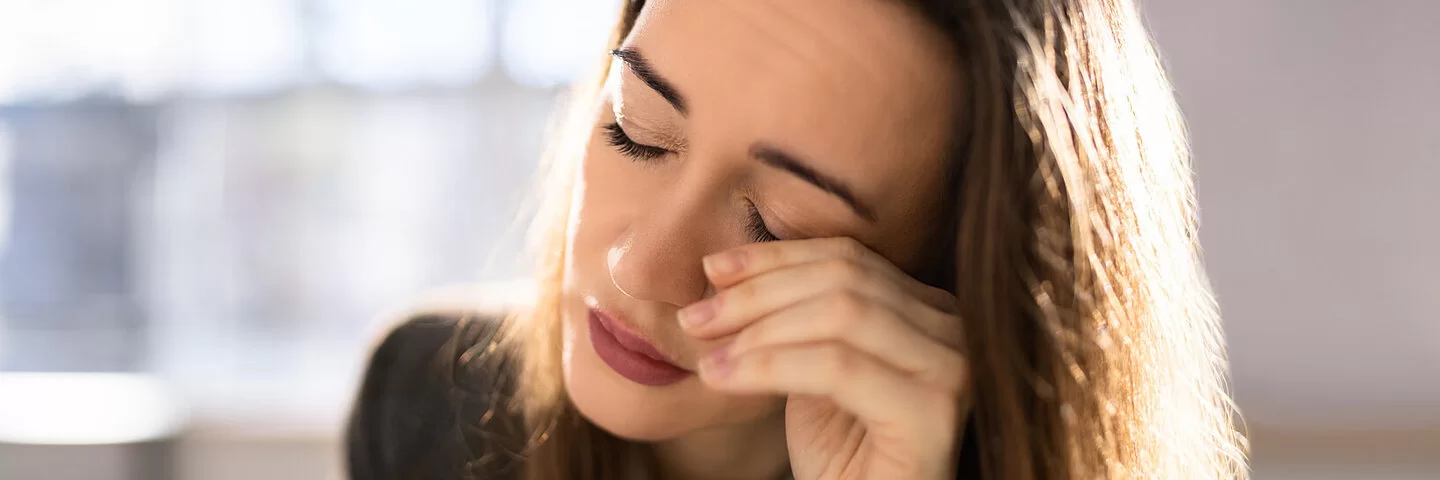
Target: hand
column 868, row 357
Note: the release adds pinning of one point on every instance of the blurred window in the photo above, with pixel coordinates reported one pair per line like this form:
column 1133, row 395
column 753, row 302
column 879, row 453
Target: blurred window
column 388, row 44
column 226, row 192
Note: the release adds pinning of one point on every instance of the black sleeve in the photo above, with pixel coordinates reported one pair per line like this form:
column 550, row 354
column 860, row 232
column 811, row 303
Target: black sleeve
column 433, row 405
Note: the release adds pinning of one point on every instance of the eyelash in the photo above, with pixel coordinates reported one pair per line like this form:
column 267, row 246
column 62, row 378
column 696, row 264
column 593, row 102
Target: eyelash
column 617, row 138
column 755, row 228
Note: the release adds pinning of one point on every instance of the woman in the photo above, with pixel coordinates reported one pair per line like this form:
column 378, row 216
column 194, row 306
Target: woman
column 869, row 239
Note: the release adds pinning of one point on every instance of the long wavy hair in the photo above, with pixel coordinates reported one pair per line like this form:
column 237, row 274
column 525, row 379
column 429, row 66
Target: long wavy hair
column 1095, row 341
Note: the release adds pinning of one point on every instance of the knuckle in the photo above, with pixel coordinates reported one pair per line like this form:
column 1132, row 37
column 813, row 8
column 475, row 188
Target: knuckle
column 838, row 359
column 953, row 374
column 737, row 293
column 752, row 336
column 845, row 272
column 848, row 307
column 744, row 340
column 847, row 247
column 947, row 329
column 849, row 323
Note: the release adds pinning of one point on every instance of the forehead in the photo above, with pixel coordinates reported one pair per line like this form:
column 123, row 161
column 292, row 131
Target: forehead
column 862, row 88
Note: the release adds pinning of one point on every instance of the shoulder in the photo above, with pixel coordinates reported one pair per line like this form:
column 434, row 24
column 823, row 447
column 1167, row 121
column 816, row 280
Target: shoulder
column 434, row 401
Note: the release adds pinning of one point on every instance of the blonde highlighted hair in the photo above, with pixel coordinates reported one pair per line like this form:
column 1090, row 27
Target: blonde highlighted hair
column 1094, row 338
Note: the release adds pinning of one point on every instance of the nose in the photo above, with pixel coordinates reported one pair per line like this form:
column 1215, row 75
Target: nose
column 658, row 258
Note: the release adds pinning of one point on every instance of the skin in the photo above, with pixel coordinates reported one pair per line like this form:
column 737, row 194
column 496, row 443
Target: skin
column 816, row 352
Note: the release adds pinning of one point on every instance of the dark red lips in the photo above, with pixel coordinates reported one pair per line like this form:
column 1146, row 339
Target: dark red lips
column 629, row 354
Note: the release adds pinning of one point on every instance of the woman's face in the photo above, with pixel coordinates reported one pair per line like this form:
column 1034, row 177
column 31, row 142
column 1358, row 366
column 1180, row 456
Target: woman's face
column 731, row 121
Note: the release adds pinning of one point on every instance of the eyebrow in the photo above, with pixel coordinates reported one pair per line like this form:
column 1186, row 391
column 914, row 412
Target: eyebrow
column 641, row 68
column 777, row 158
column 766, row 154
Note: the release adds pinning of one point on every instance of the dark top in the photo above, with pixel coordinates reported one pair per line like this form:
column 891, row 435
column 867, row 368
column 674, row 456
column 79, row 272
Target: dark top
column 433, row 405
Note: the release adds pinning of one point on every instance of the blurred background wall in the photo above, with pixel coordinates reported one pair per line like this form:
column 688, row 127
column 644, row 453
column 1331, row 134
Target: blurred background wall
column 204, row 205
column 1316, row 129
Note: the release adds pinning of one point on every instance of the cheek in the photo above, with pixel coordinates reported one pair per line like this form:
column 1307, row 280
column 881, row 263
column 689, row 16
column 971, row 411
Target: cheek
column 600, row 192
column 599, row 210
column 609, row 193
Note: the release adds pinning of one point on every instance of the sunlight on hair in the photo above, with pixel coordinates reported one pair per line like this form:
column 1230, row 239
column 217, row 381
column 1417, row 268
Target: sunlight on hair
column 1143, row 343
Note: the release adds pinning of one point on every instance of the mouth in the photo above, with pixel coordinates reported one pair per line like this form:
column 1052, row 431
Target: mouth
column 629, row 354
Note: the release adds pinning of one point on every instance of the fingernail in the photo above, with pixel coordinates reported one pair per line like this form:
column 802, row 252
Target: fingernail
column 698, row 313
column 723, row 264
column 717, row 364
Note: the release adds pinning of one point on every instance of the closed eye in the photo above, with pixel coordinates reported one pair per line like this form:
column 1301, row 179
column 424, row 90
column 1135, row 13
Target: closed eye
column 622, row 142
column 755, row 227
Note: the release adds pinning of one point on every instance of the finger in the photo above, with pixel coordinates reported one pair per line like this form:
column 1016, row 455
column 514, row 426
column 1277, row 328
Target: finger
column 872, row 329
column 877, row 394
column 740, row 263
column 730, row 267
column 735, row 307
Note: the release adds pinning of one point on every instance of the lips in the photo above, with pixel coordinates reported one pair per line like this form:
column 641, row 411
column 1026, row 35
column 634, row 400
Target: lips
column 629, row 354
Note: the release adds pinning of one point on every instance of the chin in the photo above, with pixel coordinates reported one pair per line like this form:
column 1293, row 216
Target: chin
column 626, row 413
column 648, row 414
